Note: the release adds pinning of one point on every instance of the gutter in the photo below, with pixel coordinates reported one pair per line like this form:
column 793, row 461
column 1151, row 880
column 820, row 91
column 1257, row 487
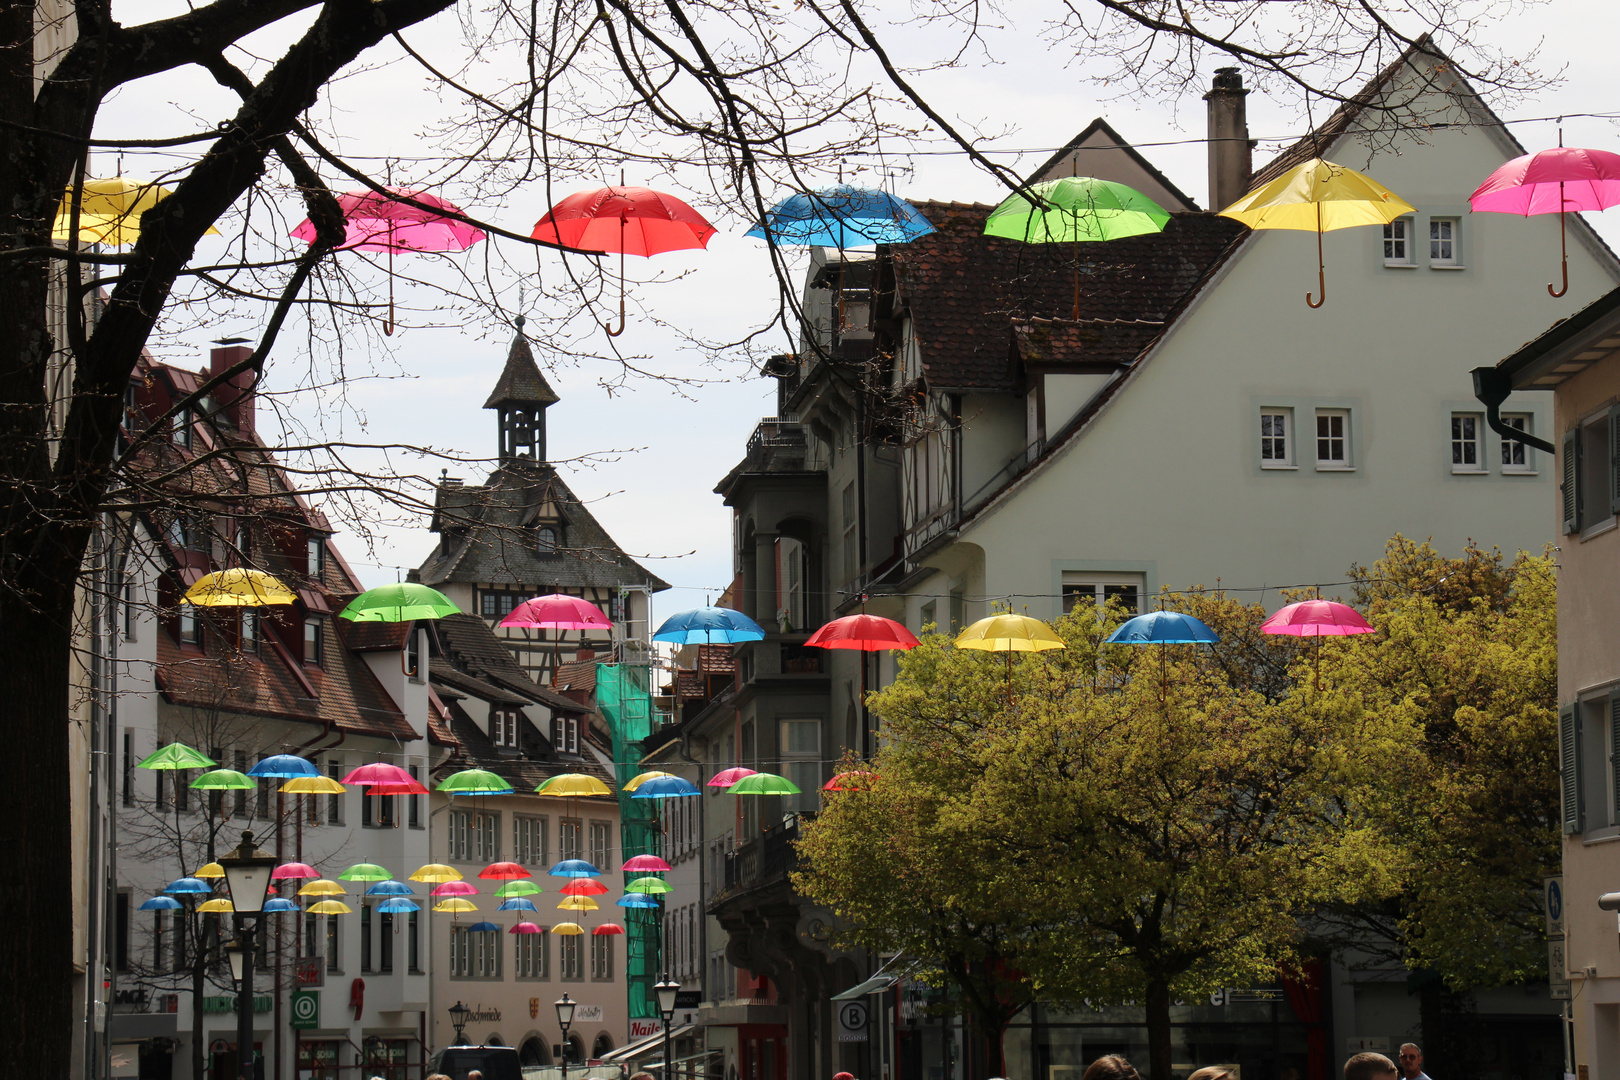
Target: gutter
column 1492, row 386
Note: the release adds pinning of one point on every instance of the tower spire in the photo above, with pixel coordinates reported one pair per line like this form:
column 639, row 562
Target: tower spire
column 520, row 398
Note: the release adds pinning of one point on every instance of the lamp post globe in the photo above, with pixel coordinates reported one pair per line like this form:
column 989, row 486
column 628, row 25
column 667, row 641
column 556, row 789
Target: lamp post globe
column 247, row 876
column 236, row 953
column 458, row 1018
column 665, row 990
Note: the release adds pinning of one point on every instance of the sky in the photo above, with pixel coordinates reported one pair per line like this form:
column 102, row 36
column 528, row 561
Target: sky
column 652, row 453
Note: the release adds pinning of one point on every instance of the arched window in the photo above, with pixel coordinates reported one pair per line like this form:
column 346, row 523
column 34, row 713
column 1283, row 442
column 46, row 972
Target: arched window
column 603, row 1046
column 545, row 538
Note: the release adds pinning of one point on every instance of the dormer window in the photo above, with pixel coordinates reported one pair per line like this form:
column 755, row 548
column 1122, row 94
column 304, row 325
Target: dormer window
column 314, row 641
column 317, row 557
column 565, row 734
column 182, row 428
column 190, row 628
column 250, row 631
column 547, row 538
column 503, row 728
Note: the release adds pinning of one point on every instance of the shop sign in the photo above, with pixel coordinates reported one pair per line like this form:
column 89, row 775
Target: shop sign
column 852, row 1021
column 306, row 1008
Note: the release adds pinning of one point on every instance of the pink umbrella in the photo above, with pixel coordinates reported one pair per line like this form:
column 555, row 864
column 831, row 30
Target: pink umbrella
column 643, row 864
column 556, row 611
column 293, row 870
column 378, row 222
column 1552, row 182
column 454, row 888
column 525, row 928
column 1317, row 619
column 409, row 787
column 727, row 777
column 378, row 772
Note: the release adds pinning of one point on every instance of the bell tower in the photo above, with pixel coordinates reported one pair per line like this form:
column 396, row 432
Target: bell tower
column 520, row 399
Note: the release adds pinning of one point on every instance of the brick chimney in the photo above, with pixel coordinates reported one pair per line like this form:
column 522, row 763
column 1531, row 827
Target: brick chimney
column 236, row 398
column 1230, row 164
column 584, row 655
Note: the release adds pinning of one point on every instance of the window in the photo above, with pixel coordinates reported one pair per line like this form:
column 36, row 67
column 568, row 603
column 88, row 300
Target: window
column 1099, row 588
column 474, row 836
column 365, row 937
column 1276, row 438
column 568, row 958
column 313, row 641
column 495, row 604
column 129, row 611
column 250, row 631
column 1588, row 733
column 474, row 955
column 533, row 956
column 414, row 802
column 1332, row 439
column 332, row 955
column 801, row 762
column 529, row 840
column 790, row 584
column 1466, row 454
column 129, row 767
column 503, row 728
column 334, row 803
column 316, row 546
column 190, row 628
column 121, row 933
column 565, row 734
column 1591, row 472
column 240, row 794
column 851, row 541
column 1443, row 249
column 568, row 838
column 601, row 956
column 1398, row 242
column 413, row 933
column 377, row 811
column 1515, row 454
column 545, row 538
column 602, row 844
column 182, row 428
column 385, row 942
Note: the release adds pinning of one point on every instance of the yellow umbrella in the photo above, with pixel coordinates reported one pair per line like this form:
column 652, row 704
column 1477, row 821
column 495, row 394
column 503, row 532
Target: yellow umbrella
column 210, row 870
column 109, row 211
column 220, row 905
column 321, row 887
column 313, row 785
column 578, row 903
column 636, row 781
column 436, row 873
column 238, row 587
column 455, row 903
column 329, row 907
column 1320, row 196
column 568, row 929
column 1009, row 633
column 569, row 785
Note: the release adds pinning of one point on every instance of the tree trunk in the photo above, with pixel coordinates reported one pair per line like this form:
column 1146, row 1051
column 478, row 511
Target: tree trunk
column 1158, row 1025
column 198, row 1043
column 986, row 1061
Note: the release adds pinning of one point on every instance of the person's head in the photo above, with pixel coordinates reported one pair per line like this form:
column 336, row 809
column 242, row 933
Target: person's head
column 641, row 1076
column 843, row 1076
column 1411, row 1058
column 1214, row 1072
column 1369, row 1066
column 1112, row 1067
column 475, row 1075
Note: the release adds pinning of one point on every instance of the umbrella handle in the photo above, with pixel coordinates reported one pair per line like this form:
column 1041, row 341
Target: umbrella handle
column 1563, row 251
column 608, row 326
column 388, row 324
column 1321, row 272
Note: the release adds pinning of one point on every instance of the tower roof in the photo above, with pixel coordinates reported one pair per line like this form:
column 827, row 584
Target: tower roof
column 521, row 381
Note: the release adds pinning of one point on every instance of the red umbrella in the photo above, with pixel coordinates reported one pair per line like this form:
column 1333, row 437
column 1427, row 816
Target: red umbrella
column 407, row 787
column 868, row 633
column 1317, row 619
column 723, row 778
column 504, row 871
column 584, row 887
column 378, row 772
column 1552, row 181
column 608, row 928
column 629, row 220
column 642, row 864
column 859, row 780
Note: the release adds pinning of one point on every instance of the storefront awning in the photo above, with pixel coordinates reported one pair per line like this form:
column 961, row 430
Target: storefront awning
column 875, row 985
column 652, row 1043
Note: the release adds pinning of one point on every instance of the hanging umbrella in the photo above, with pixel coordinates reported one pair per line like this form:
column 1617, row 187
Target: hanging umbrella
column 409, row 787
column 110, row 211
column 567, row 929
column 214, row 870
column 365, row 871
column 455, row 904
column 724, row 778
column 377, row 221
column 484, row 928
column 1163, row 628
column 869, row 633
column 648, row 885
column 641, row 778
column 1009, row 633
column 224, row 780
column 709, row 626
column 1321, row 196
column 572, row 785
column 559, row 612
column 1316, row 618
column 1075, row 210
column 321, row 887
column 292, row 871
column 313, row 785
column 1552, row 182
column 188, row 885
column 404, row 602
column 378, row 772
column 437, row 872
column 455, row 888
column 503, row 871
column 162, row 903
column 763, row 783
column 519, row 887
column 841, row 217
column 642, row 864
column 216, row 907
column 397, row 906
column 583, row 886
column 238, row 587
column 475, row 782
column 574, row 868
column 329, row 907
column 390, row 888
column 578, row 903
column 606, row 929
column 176, row 756
column 858, row 780
column 279, row 906
column 517, row 903
column 283, row 767
column 636, row 900
column 666, row 787
column 628, row 220
column 525, row 928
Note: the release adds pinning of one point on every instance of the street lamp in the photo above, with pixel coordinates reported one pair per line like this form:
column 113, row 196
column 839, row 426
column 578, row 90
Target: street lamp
column 665, row 992
column 458, row 1017
column 247, row 876
column 565, row 1018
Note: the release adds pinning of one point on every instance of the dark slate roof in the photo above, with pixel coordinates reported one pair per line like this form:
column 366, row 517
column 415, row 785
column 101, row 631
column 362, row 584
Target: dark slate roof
column 525, row 772
column 490, row 536
column 1100, row 344
column 1099, row 124
column 521, row 380
column 473, row 660
column 965, row 288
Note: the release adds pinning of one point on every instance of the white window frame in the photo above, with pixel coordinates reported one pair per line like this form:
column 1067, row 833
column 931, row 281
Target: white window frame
column 1397, row 242
column 570, row 965
column 600, row 837
column 798, row 765
column 1331, row 464
column 1077, row 583
column 601, row 958
column 1286, row 417
column 1438, row 224
column 532, row 956
column 474, row 836
column 565, row 734
column 503, row 728
column 529, row 840
column 1526, row 464
column 1461, row 443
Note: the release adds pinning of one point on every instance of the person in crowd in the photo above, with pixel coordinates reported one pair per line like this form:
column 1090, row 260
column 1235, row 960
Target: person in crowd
column 1412, row 1062
column 1370, row 1066
column 1214, row 1072
column 1111, row 1067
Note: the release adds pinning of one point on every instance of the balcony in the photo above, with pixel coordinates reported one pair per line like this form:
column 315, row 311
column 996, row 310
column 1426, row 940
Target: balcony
column 777, row 445
column 761, row 862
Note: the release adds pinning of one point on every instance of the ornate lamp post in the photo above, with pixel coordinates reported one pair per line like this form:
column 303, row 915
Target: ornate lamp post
column 247, row 876
column 565, row 1018
column 458, row 1017
column 665, row 991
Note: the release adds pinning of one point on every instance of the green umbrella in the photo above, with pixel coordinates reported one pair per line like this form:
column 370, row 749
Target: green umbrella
column 476, row 782
column 224, row 780
column 177, row 756
column 763, row 783
column 648, row 885
column 519, row 888
column 365, row 871
column 403, row 602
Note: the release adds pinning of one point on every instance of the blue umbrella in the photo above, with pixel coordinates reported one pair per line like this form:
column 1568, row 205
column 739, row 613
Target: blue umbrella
column 636, row 899
column 397, row 906
column 279, row 904
column 484, row 928
column 1163, row 628
column 574, row 868
column 390, row 888
column 517, row 903
column 665, row 787
column 161, row 903
column 283, row 767
column 709, row 626
column 842, row 217
column 189, row 885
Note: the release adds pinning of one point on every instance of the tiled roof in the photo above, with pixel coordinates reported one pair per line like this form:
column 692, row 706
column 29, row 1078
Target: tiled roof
column 1101, row 343
column 964, row 288
column 470, row 649
column 526, row 772
column 521, row 380
column 579, row 675
column 373, row 636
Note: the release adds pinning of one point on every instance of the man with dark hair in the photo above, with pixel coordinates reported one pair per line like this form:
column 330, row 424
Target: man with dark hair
column 1370, row 1066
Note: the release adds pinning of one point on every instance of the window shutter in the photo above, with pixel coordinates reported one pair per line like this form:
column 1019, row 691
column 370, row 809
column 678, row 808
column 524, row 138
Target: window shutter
column 1614, row 459
column 1614, row 751
column 1572, row 481
column 1569, row 767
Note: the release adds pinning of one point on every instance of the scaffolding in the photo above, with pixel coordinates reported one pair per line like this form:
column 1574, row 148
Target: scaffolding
column 624, row 696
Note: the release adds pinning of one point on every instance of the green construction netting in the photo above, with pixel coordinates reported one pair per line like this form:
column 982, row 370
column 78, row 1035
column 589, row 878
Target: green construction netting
column 624, row 696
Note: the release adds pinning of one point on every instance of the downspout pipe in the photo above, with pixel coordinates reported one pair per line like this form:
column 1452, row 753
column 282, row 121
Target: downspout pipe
column 1492, row 387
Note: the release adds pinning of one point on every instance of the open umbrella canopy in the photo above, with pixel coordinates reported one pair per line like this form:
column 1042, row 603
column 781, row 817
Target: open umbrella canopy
column 1552, row 181
column 110, row 211
column 641, row 778
column 378, row 772
column 567, row 929
column 636, row 900
column 503, row 871
column 436, row 872
column 666, row 787
column 329, row 907
column 763, row 783
column 475, row 782
column 648, row 885
column 224, row 780
column 293, row 871
column 857, row 780
column 162, row 903
column 642, row 864
column 583, row 886
column 214, row 870
column 519, row 887
column 709, row 626
column 185, row 885
column 869, row 633
column 176, row 756
column 1007, row 632
column 365, row 871
column 525, row 928
column 375, row 221
column 626, row 219
column 238, row 587
column 1163, row 628
column 279, row 906
column 409, row 787
column 842, row 217
column 517, row 903
column 455, row 888
column 1075, row 209
column 321, row 887
column 455, row 904
column 578, row 903
column 574, row 868
column 406, row 601
column 397, row 905
column 572, row 785
column 1316, row 618
column 484, row 928
column 390, row 888
column 283, row 767
column 216, row 907
column 606, row 929
column 313, row 785
column 557, row 611
column 724, row 778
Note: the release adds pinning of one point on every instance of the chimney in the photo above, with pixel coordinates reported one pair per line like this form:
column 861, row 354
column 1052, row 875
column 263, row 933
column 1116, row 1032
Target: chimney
column 1229, row 148
column 236, row 397
column 584, row 655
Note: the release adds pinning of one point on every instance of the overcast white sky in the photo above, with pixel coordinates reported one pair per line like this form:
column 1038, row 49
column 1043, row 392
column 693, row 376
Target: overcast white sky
column 657, row 499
